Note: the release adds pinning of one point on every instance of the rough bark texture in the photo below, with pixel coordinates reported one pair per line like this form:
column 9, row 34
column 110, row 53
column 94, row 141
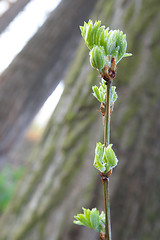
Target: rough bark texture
column 60, row 177
column 36, row 71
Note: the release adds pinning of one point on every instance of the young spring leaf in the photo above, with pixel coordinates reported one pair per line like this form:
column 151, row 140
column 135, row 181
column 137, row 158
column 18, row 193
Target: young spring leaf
column 127, row 54
column 96, row 93
column 98, row 159
column 105, row 158
column 82, row 220
column 97, row 57
column 91, row 219
column 110, row 44
column 100, row 93
column 109, row 158
column 91, row 33
column 94, row 219
column 114, row 95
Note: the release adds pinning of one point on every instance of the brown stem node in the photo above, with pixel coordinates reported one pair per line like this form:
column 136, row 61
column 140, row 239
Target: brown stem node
column 102, row 236
column 105, row 176
column 103, row 109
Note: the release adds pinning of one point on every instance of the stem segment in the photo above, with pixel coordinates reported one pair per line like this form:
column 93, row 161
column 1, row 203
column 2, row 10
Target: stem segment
column 106, row 180
column 107, row 115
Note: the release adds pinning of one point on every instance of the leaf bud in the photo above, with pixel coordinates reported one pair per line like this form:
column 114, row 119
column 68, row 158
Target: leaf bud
column 105, row 158
column 113, row 43
column 92, row 219
column 100, row 93
column 97, row 57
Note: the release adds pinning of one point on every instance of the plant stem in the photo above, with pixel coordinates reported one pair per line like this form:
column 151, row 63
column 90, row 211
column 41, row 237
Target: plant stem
column 107, row 115
column 106, row 181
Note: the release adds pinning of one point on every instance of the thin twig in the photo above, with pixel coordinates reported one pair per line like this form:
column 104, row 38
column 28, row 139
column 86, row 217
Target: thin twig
column 105, row 181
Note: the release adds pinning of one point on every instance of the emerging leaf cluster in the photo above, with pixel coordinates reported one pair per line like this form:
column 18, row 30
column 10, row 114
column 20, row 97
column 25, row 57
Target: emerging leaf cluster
column 91, row 219
column 104, row 44
column 100, row 93
column 105, row 158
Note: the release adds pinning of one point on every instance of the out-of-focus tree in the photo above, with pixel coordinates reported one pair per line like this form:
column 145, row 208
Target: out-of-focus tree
column 38, row 68
column 60, row 178
column 14, row 9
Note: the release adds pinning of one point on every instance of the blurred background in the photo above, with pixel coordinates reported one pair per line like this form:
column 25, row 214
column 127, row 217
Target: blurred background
column 49, row 120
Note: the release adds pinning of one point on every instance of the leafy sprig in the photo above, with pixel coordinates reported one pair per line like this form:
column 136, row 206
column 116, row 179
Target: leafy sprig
column 91, row 219
column 105, row 158
column 100, row 93
column 104, row 44
column 107, row 48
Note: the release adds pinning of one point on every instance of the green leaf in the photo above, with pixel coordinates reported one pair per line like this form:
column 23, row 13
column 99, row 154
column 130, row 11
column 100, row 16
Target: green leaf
column 94, row 218
column 96, row 93
column 88, row 39
column 113, row 42
column 98, row 158
column 99, row 152
column 87, row 213
column 100, row 93
column 116, row 52
column 102, row 222
column 97, row 57
column 82, row 220
column 95, row 32
column 91, row 219
column 114, row 95
column 103, row 39
column 122, row 43
column 100, row 33
column 105, row 158
column 78, row 223
column 109, row 158
column 127, row 54
column 102, row 217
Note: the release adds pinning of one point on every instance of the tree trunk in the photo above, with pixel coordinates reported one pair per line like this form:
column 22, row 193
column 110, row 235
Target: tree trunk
column 11, row 13
column 60, row 177
column 36, row 71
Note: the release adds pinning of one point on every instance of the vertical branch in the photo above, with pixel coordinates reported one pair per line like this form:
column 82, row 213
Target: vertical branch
column 107, row 115
column 105, row 179
column 108, row 210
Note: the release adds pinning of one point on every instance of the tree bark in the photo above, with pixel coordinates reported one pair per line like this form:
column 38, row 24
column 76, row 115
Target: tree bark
column 11, row 13
column 36, row 71
column 60, row 176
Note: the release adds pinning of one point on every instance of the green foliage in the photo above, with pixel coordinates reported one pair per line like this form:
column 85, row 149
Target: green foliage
column 105, row 158
column 93, row 34
column 107, row 48
column 100, row 93
column 103, row 44
column 8, row 180
column 97, row 57
column 91, row 219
